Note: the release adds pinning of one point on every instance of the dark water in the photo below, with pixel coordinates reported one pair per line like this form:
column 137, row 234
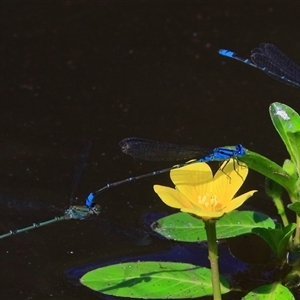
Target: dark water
column 100, row 71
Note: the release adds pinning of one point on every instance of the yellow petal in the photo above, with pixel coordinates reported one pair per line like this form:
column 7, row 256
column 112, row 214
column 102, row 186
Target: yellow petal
column 205, row 215
column 172, row 197
column 192, row 180
column 238, row 201
column 229, row 178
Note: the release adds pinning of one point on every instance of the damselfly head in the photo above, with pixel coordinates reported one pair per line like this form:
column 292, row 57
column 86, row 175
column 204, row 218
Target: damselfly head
column 240, row 150
column 96, row 209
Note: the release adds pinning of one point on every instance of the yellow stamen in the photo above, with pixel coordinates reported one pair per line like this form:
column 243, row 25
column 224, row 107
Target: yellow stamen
column 208, row 201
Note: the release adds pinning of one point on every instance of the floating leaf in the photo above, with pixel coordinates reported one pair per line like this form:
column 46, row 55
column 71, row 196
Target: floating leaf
column 274, row 291
column 152, row 280
column 186, row 228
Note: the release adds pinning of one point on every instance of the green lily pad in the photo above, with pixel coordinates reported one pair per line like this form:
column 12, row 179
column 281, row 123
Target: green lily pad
column 186, row 228
column 274, row 291
column 152, row 280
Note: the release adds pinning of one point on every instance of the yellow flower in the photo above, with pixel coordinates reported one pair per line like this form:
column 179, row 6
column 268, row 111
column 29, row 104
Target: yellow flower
column 200, row 193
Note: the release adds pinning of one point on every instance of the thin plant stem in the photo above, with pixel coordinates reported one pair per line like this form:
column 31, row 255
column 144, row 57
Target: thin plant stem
column 210, row 227
column 281, row 210
column 297, row 234
column 296, row 240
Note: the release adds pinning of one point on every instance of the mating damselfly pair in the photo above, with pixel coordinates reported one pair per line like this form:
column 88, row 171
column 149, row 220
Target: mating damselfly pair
column 142, row 149
column 266, row 57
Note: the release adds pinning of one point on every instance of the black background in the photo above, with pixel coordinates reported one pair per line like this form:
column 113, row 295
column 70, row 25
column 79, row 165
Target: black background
column 102, row 71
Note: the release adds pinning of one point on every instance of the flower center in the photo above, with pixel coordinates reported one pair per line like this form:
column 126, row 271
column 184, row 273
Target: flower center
column 209, row 202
